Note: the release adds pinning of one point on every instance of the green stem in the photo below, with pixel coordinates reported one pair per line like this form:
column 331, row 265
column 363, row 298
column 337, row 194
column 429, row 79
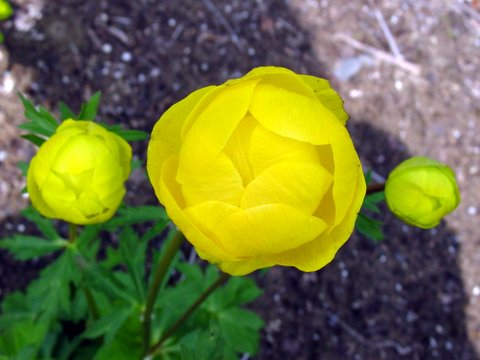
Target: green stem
column 170, row 331
column 373, row 188
column 72, row 232
column 159, row 275
column 92, row 306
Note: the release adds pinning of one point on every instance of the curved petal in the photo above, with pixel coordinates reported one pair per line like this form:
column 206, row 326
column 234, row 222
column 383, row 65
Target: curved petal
column 221, row 182
column 268, row 148
column 298, row 185
column 282, row 78
column 207, row 217
column 290, row 114
column 238, row 147
column 328, row 97
column 319, row 252
column 168, row 195
column 212, row 129
column 244, row 267
column 268, row 229
column 166, row 134
column 348, row 177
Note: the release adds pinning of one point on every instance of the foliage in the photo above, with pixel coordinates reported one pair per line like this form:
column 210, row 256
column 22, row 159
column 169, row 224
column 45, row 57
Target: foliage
column 90, row 301
column 366, row 224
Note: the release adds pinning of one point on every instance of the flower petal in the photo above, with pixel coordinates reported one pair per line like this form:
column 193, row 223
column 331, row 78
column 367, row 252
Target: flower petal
column 221, row 181
column 282, row 78
column 212, row 129
column 319, row 252
column 327, row 96
column 267, row 229
column 290, row 114
column 268, row 148
column 298, row 185
column 166, row 134
column 244, row 267
column 168, row 194
column 207, row 216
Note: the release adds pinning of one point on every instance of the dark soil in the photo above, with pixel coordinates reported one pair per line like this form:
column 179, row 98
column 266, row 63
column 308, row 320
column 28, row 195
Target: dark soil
column 403, row 298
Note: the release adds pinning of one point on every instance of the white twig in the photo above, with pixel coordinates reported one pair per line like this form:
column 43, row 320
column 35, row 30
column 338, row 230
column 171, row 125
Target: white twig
column 380, row 54
column 388, row 35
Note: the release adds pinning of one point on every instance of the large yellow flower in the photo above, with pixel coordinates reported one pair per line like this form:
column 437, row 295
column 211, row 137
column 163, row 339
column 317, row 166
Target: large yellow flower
column 78, row 174
column 259, row 171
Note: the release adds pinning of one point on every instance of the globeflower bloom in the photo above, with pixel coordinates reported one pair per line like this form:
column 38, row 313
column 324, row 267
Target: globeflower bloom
column 259, row 171
column 78, row 174
column 421, row 191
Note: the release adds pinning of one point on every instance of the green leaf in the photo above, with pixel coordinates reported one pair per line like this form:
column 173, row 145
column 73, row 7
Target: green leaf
column 90, row 108
column 41, row 122
column 126, row 134
column 131, row 135
column 50, row 293
column 43, row 224
column 370, row 228
column 23, row 166
column 66, row 112
column 22, row 339
column 133, row 253
column 25, row 247
column 34, row 139
column 35, row 128
column 109, row 324
column 119, row 350
column 136, row 215
column 240, row 330
column 203, row 344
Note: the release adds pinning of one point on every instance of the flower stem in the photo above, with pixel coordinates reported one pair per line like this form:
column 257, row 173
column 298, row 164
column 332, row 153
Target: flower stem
column 170, row 331
column 159, row 275
column 72, row 232
column 92, row 305
column 373, row 188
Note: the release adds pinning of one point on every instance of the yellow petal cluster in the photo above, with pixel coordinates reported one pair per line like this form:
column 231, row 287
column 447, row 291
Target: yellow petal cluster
column 78, row 174
column 259, row 171
column 421, row 191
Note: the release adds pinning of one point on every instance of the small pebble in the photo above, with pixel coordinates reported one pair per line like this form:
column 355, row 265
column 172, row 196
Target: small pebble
column 126, row 56
column 107, row 48
column 472, row 210
column 3, row 155
column 398, row 85
column 355, row 93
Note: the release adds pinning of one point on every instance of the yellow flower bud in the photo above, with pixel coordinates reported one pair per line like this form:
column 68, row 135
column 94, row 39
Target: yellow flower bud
column 78, row 174
column 421, row 191
column 259, row 171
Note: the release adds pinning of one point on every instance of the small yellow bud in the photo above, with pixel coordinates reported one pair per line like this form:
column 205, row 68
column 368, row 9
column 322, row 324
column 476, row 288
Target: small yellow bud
column 78, row 174
column 421, row 191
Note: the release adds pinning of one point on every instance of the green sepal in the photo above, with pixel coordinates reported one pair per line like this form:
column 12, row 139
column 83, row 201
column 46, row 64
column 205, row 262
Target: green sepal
column 89, row 109
column 41, row 122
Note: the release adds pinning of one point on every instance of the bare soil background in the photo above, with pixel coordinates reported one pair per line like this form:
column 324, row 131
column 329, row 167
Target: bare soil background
column 409, row 72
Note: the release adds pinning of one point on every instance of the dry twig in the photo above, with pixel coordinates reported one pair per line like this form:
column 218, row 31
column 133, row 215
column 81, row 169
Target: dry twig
column 380, row 54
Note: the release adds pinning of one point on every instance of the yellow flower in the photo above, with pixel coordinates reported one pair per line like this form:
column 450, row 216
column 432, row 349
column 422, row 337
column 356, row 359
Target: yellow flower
column 78, row 174
column 259, row 171
column 421, row 191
